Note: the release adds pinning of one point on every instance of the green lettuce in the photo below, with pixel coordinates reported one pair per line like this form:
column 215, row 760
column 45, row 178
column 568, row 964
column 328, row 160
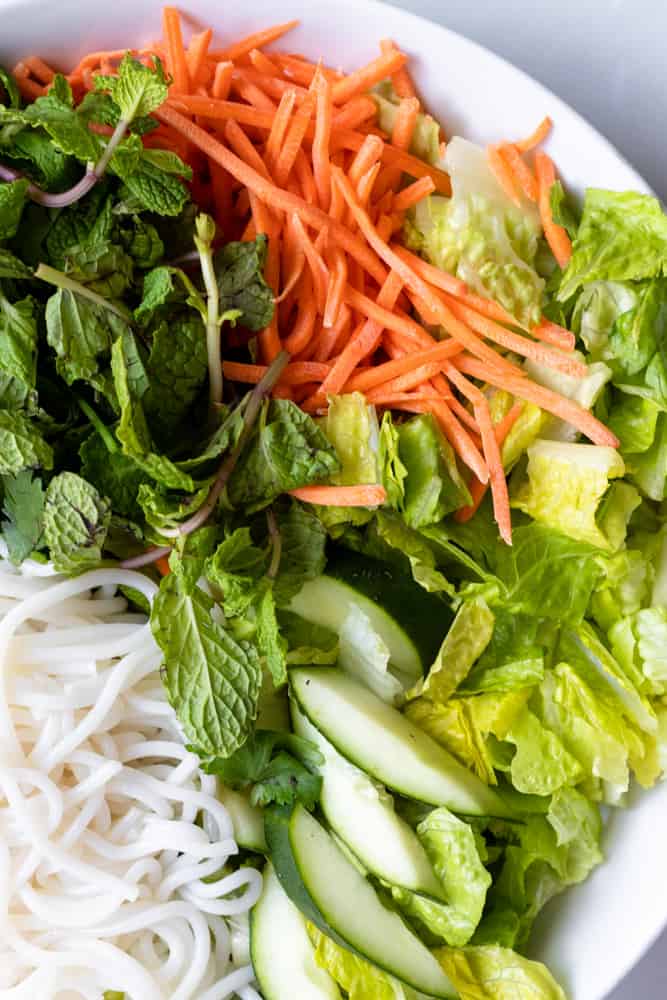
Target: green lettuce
column 425, row 141
column 597, row 308
column 351, row 427
column 433, row 485
column 468, row 636
column 493, row 973
column 585, row 391
column 359, row 979
column 392, row 471
column 565, row 484
column 481, row 235
column 639, row 642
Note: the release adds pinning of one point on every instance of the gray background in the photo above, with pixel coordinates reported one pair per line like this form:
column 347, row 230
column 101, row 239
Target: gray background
column 608, row 59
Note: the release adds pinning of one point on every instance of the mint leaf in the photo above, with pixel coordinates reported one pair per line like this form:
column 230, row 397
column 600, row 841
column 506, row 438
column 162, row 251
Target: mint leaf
column 287, row 450
column 159, row 290
column 23, row 506
column 270, row 643
column 280, row 767
column 21, row 445
column 9, row 92
column 81, row 333
column 115, row 475
column 18, row 340
column 162, row 509
column 34, row 154
column 87, row 219
column 76, row 520
column 12, row 267
column 239, row 269
column 177, row 367
column 237, row 569
column 137, row 89
column 154, row 188
column 102, row 109
column 212, row 681
column 12, row 200
column 132, row 431
column 66, row 128
column 142, row 242
column 222, row 439
column 302, row 551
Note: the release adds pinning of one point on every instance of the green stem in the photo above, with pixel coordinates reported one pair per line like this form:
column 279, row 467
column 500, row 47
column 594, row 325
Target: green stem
column 276, row 544
column 212, row 330
column 101, row 428
column 60, row 280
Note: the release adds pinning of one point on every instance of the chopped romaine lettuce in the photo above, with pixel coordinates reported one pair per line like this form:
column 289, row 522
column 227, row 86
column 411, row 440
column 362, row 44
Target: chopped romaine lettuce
column 426, row 136
column 493, row 973
column 584, row 391
column 433, row 485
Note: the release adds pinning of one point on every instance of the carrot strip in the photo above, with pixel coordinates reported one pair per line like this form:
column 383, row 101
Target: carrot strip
column 318, row 269
column 293, row 140
column 321, row 140
column 302, row 330
column 262, row 63
column 336, row 288
column 366, row 184
column 476, row 487
column 40, row 70
column 302, row 70
column 536, row 137
column 196, row 54
column 491, row 449
column 222, row 80
column 278, row 199
column 409, row 382
column 503, row 174
column 242, row 146
column 330, row 340
column 552, row 333
column 390, row 370
column 361, row 80
column 272, row 86
column 545, row 398
column 520, row 170
column 389, row 318
column 304, row 175
column 556, row 236
column 176, row 60
column 27, row 87
column 357, row 111
column 162, row 566
column 434, row 275
column 295, row 373
column 252, row 94
column 341, row 496
column 401, row 79
column 279, row 127
column 223, row 110
column 413, row 193
column 222, row 194
column 401, row 138
column 367, row 156
column 255, row 41
column 515, row 342
column 458, row 436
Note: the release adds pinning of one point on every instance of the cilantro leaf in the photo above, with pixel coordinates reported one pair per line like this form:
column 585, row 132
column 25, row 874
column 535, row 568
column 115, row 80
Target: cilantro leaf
column 81, row 333
column 270, row 642
column 21, row 445
column 239, row 269
column 115, row 475
column 287, row 450
column 23, row 508
column 12, row 200
column 280, row 767
column 137, row 89
column 212, row 681
column 132, row 431
column 76, row 520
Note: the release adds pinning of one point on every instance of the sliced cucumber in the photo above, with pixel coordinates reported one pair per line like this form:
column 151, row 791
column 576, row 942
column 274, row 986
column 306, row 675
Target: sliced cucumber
column 411, row 622
column 282, row 956
column 247, row 820
column 335, row 896
column 364, row 818
column 387, row 746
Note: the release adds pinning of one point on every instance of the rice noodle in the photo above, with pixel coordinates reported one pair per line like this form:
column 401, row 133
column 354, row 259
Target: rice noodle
column 115, row 853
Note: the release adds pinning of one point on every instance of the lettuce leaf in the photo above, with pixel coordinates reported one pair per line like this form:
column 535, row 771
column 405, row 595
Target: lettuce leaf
column 493, row 973
column 433, row 485
column 468, row 636
column 392, row 470
column 351, row 428
column 639, row 642
column 585, row 391
column 425, row 141
column 359, row 979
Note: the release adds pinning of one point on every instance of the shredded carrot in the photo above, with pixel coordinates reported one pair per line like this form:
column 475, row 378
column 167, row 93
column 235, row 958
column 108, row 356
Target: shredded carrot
column 279, row 128
column 401, row 138
column 355, row 112
column 341, row 496
column 304, row 175
column 366, row 157
column 28, row 88
column 242, row 146
column 477, row 488
column 390, row 370
column 295, row 373
column 545, row 398
column 336, row 288
column 40, row 70
column 413, row 193
column 552, row 333
column 330, row 340
column 162, row 566
column 262, row 63
column 293, row 139
column 219, row 110
column 434, row 275
column 302, row 330
column 256, row 41
column 503, row 173
column 556, row 236
column 318, row 269
column 176, row 60
column 361, row 80
column 321, row 139
column 251, row 93
column 401, row 79
column 196, row 54
column 222, row 80
column 456, row 434
column 536, row 137
column 520, row 170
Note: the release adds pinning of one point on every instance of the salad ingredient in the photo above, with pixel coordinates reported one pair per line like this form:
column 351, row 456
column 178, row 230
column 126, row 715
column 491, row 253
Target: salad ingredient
column 381, row 741
column 282, row 955
column 247, row 820
column 332, row 893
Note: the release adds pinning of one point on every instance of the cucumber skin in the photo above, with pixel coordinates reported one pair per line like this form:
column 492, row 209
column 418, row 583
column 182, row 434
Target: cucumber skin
column 424, row 617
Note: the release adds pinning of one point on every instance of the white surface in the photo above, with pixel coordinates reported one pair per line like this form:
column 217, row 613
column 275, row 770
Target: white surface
column 594, row 52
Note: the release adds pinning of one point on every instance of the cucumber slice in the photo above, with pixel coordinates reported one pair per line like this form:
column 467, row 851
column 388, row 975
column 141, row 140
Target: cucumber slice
column 387, row 746
column 247, row 820
column 364, row 818
column 335, row 896
column 282, row 956
column 410, row 621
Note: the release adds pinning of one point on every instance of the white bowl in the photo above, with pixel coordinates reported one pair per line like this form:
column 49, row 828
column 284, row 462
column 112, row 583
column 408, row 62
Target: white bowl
column 595, row 933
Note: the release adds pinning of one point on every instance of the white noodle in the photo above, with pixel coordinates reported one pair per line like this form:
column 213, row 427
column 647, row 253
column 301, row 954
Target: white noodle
column 109, row 832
